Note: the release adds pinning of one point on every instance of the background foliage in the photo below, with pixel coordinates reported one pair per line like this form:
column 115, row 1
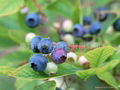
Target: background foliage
column 14, row 52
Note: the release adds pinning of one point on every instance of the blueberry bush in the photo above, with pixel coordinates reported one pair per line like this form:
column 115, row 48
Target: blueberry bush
column 59, row 45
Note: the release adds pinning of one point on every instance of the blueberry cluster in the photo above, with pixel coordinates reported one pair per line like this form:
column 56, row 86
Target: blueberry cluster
column 89, row 27
column 58, row 53
column 85, row 30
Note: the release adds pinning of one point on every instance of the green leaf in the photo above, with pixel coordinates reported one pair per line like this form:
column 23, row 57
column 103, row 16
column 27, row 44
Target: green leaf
column 15, row 59
column 97, row 56
column 26, row 72
column 5, row 42
column 76, row 12
column 116, row 55
column 17, row 36
column 86, row 73
column 5, row 70
column 8, row 7
column 62, row 7
column 22, row 84
column 49, row 85
column 115, row 39
column 108, row 78
column 7, row 83
column 3, row 31
column 99, row 70
column 12, row 24
column 101, row 3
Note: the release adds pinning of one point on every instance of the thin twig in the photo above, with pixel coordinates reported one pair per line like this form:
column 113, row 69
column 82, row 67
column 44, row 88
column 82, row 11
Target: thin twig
column 39, row 8
column 62, row 83
column 37, row 5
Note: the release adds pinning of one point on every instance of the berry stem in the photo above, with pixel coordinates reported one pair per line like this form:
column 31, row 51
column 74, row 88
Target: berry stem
column 72, row 47
column 38, row 7
column 62, row 83
column 65, row 80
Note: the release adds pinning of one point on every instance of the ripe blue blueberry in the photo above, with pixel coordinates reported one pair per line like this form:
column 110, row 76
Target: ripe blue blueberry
column 32, row 20
column 116, row 25
column 62, row 44
column 34, row 44
column 45, row 46
column 100, row 14
column 59, row 55
column 95, row 28
column 38, row 62
column 78, row 30
column 87, row 20
column 58, row 88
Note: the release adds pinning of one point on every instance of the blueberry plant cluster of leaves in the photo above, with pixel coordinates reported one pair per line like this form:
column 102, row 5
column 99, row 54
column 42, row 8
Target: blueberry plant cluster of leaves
column 103, row 61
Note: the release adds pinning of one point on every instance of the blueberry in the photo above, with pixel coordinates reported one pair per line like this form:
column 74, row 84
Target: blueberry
column 45, row 46
column 38, row 62
column 95, row 28
column 116, row 25
column 62, row 44
column 58, row 88
column 34, row 44
column 78, row 30
column 87, row 20
column 59, row 55
column 32, row 20
column 100, row 15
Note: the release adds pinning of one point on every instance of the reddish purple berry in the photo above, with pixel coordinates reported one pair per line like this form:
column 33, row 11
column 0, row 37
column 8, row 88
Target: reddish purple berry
column 59, row 55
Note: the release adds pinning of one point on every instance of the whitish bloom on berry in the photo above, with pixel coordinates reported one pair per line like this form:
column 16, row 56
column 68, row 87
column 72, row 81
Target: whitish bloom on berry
column 67, row 25
column 24, row 10
column 51, row 68
column 82, row 60
column 72, row 56
column 110, row 30
column 56, row 25
column 69, row 39
column 29, row 37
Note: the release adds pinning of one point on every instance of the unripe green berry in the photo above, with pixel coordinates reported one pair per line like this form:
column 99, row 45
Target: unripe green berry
column 72, row 57
column 67, row 25
column 51, row 68
column 29, row 37
column 82, row 60
column 69, row 39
